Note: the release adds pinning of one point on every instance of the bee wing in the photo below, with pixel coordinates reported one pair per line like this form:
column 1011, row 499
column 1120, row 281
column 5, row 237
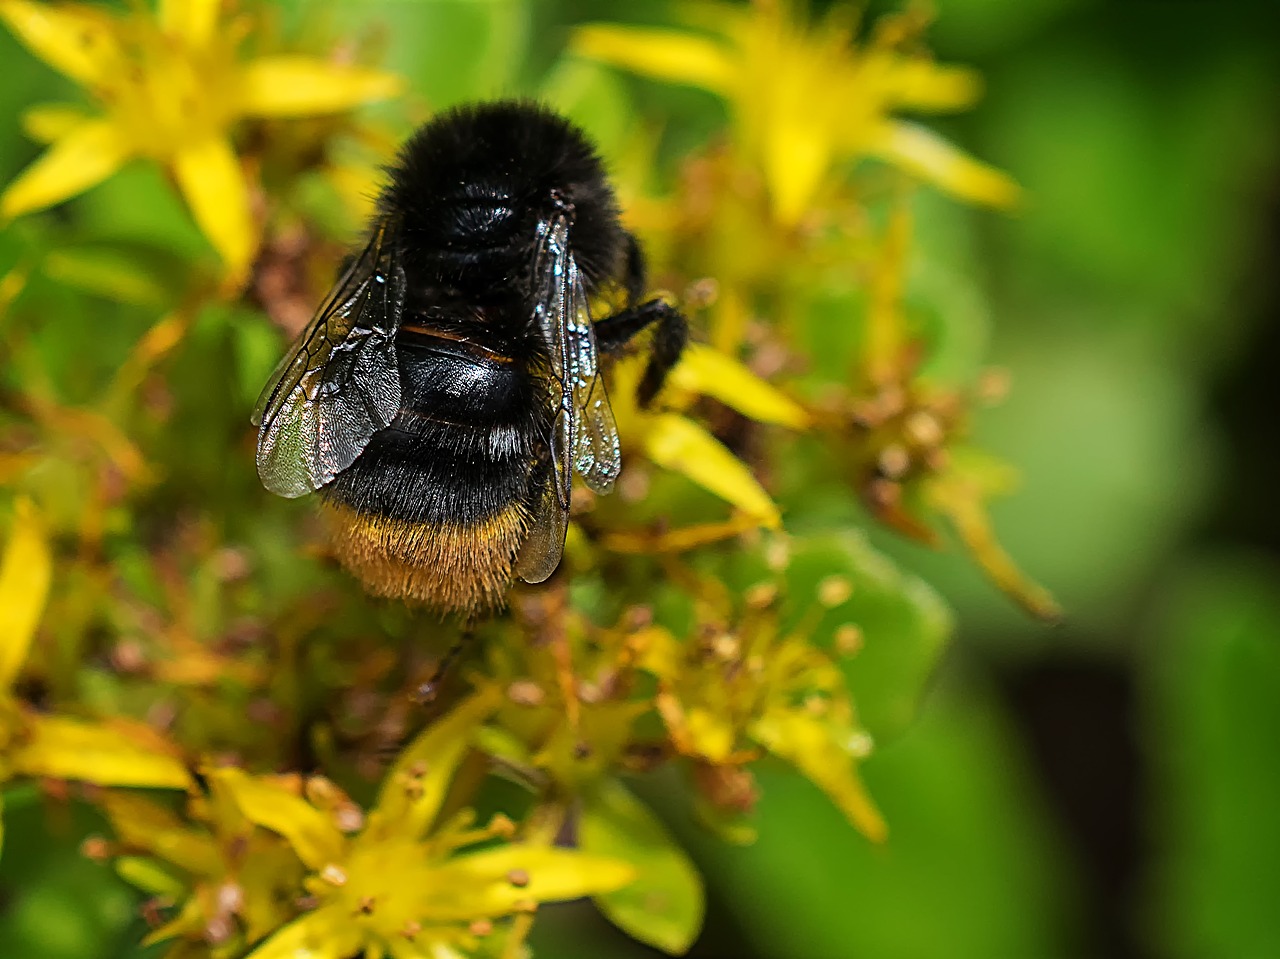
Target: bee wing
column 340, row 382
column 544, row 543
column 596, row 452
column 584, row 436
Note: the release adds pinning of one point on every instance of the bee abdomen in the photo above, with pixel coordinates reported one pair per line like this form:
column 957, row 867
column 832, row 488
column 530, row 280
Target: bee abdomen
column 449, row 566
column 435, row 508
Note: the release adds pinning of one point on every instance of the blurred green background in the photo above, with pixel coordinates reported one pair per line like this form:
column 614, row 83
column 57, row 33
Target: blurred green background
column 1107, row 787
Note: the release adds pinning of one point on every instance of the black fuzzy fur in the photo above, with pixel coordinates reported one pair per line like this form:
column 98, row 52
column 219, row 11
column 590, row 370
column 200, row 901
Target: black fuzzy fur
column 466, row 197
column 471, row 186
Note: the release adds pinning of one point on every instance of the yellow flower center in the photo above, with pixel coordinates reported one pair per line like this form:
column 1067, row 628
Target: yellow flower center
column 383, row 889
column 169, row 93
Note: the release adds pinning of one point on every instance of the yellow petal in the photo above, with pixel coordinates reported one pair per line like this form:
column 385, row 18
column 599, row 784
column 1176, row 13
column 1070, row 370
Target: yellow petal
column 810, row 745
column 25, row 572
column 476, row 886
column 925, row 154
column 83, row 157
column 48, row 122
column 75, row 39
column 924, row 85
column 798, row 146
column 327, row 933
column 210, row 177
column 149, row 875
column 143, row 825
column 712, row 373
column 710, row 733
column 685, row 447
column 118, row 753
column 662, row 54
column 190, row 20
column 959, row 494
column 415, row 786
column 312, row 833
column 292, row 86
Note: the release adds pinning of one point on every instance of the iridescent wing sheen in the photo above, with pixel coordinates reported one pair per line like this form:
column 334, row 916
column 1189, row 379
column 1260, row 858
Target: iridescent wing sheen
column 584, row 436
column 340, row 382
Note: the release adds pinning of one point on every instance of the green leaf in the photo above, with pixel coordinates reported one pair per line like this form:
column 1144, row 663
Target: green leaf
column 112, row 274
column 1213, row 720
column 59, row 904
column 449, row 50
column 902, row 624
column 970, row 870
column 594, row 98
column 664, row 906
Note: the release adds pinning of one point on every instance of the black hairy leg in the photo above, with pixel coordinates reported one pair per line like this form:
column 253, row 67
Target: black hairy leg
column 670, row 333
column 635, row 273
column 428, row 691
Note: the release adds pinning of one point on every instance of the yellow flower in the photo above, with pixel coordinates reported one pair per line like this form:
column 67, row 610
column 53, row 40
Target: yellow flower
column 746, row 689
column 568, row 720
column 171, row 89
column 399, row 886
column 233, row 884
column 805, row 99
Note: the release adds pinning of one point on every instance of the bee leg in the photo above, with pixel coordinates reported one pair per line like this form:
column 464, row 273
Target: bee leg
column 635, row 274
column 671, row 333
column 429, row 690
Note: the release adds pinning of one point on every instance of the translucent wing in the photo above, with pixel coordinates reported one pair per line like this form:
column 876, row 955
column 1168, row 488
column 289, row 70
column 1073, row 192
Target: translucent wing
column 597, row 455
column 540, row 553
column 584, row 436
column 340, row 383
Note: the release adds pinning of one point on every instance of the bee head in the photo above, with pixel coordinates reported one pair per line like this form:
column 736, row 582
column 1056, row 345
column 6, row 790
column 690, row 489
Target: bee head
column 471, row 187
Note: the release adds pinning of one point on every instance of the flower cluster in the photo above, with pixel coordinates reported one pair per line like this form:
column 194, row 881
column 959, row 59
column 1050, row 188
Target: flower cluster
column 245, row 718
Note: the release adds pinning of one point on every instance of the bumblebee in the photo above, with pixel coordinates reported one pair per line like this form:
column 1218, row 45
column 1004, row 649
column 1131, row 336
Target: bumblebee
column 445, row 393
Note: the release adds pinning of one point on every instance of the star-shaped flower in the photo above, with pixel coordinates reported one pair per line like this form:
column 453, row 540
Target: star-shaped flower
column 171, row 87
column 407, row 885
column 807, row 98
